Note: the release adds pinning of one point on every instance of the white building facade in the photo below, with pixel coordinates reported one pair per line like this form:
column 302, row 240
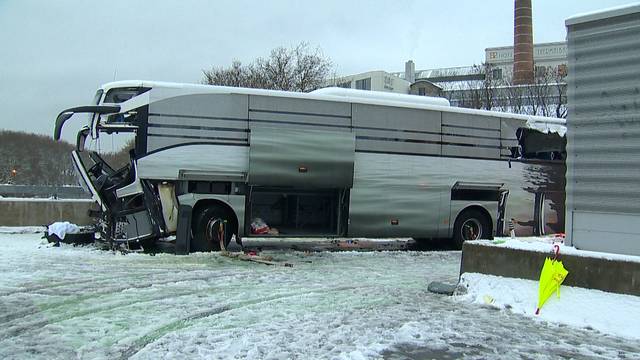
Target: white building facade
column 373, row 80
column 545, row 56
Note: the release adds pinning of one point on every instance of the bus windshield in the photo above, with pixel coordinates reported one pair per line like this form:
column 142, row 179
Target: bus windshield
column 122, row 94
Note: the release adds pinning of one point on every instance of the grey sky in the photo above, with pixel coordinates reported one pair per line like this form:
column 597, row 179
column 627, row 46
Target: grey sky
column 56, row 53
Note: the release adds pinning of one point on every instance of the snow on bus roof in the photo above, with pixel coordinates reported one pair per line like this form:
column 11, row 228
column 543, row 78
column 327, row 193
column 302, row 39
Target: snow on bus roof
column 540, row 123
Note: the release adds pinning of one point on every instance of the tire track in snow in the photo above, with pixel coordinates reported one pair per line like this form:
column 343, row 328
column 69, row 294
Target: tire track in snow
column 9, row 331
column 16, row 330
column 34, row 289
column 190, row 320
column 97, row 283
column 115, row 268
column 123, row 272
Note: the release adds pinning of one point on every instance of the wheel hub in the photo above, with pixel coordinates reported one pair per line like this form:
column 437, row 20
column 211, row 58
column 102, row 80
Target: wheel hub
column 471, row 229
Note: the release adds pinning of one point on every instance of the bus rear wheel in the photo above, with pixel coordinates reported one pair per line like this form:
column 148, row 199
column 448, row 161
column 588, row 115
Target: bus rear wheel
column 212, row 226
column 471, row 224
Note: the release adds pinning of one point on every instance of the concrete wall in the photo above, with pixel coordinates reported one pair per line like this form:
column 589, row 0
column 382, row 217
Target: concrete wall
column 616, row 276
column 29, row 212
column 43, row 191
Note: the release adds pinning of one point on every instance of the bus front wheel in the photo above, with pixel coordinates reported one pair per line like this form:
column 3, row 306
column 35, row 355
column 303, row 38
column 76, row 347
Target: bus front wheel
column 211, row 226
column 471, row 224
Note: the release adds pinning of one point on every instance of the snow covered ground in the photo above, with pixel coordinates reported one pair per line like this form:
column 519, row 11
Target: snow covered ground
column 74, row 302
column 607, row 312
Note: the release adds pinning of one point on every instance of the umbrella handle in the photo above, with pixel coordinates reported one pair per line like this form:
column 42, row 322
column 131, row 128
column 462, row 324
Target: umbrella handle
column 556, row 248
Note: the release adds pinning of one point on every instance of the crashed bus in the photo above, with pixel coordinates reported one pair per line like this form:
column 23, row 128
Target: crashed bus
column 211, row 164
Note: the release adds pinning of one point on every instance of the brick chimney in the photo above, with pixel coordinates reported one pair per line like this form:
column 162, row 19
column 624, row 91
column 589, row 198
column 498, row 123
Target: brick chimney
column 522, row 43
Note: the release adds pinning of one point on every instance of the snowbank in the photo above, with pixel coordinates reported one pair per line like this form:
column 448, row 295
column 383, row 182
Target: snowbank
column 609, row 313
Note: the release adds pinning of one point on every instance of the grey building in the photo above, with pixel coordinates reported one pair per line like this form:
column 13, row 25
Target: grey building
column 603, row 127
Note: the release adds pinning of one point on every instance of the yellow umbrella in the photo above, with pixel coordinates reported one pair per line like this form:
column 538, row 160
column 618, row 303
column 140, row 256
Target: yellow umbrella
column 551, row 276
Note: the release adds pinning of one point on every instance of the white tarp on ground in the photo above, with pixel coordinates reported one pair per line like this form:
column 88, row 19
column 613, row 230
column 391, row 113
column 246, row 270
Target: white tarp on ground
column 61, row 229
column 75, row 302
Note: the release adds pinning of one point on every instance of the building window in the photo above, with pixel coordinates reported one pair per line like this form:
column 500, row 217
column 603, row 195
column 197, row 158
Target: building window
column 422, row 91
column 364, row 84
column 496, row 74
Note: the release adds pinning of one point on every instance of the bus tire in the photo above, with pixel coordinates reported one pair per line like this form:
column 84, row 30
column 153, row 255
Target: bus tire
column 471, row 224
column 205, row 227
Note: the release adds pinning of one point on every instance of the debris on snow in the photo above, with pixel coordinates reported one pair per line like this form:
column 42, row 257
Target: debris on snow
column 438, row 287
column 266, row 260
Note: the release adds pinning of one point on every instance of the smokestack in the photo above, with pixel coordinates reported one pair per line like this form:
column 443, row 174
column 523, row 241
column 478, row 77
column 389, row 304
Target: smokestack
column 522, row 43
column 410, row 71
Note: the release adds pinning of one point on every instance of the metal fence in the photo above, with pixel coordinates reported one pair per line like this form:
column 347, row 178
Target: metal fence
column 43, row 191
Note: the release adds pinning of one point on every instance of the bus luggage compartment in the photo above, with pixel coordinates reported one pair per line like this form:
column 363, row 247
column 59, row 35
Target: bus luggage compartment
column 290, row 212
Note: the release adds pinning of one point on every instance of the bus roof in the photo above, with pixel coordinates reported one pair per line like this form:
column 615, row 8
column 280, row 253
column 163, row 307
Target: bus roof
column 540, row 123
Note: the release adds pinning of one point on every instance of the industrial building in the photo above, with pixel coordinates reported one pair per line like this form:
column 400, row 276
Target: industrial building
column 463, row 85
column 499, row 59
column 524, row 78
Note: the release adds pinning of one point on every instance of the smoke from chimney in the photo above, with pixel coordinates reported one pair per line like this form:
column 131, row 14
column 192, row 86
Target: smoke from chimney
column 522, row 43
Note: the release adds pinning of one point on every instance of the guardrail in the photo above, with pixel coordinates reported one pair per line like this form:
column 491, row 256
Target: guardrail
column 43, row 191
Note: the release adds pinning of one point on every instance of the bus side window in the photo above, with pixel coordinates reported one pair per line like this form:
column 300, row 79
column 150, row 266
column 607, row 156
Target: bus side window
column 130, row 117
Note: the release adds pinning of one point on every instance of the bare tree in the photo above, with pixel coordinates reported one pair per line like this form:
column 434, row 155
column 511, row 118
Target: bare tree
column 560, row 91
column 515, row 95
column 546, row 96
column 476, row 93
column 300, row 68
column 237, row 75
column 34, row 159
column 488, row 91
column 312, row 68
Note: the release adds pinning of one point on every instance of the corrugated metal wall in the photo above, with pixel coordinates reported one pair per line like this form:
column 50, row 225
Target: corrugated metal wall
column 603, row 127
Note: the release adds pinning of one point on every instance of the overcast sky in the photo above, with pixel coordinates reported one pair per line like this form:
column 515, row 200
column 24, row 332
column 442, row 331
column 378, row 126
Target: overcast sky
column 56, row 53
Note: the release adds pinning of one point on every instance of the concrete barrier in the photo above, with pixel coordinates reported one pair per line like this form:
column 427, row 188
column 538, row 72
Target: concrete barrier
column 618, row 276
column 28, row 212
column 43, row 191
